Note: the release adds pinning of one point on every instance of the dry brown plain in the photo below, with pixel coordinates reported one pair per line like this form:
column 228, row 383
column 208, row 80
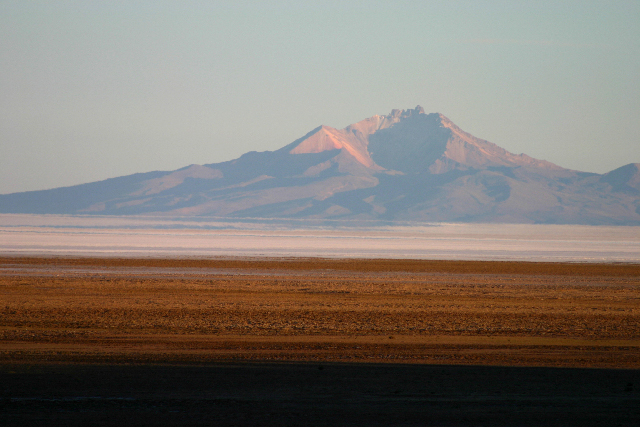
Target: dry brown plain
column 318, row 342
column 437, row 312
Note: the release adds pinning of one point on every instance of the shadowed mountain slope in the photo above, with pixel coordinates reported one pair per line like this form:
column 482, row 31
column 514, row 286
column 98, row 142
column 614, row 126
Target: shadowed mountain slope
column 407, row 166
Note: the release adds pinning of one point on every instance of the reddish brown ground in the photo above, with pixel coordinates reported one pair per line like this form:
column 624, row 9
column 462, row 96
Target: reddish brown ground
column 433, row 312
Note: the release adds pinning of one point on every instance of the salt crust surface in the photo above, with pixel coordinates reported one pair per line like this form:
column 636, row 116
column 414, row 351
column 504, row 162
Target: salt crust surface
column 22, row 235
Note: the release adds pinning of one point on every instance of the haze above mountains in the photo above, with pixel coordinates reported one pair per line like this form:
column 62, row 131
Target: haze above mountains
column 404, row 166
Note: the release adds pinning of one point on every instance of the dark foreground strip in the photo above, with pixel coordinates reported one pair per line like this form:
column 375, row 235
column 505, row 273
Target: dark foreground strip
column 315, row 394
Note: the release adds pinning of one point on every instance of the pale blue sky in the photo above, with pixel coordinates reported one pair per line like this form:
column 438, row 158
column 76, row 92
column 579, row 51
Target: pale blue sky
column 98, row 89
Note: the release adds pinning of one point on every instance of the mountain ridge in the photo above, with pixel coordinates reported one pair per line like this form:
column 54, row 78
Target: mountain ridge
column 406, row 165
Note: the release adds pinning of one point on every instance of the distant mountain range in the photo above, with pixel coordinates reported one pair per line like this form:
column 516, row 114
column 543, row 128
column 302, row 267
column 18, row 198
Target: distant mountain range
column 405, row 166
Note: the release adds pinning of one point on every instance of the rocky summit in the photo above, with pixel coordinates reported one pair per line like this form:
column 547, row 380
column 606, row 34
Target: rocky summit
column 404, row 166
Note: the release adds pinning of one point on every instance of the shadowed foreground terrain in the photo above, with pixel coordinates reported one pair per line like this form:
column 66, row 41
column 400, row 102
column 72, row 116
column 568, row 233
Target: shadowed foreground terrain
column 311, row 341
column 312, row 394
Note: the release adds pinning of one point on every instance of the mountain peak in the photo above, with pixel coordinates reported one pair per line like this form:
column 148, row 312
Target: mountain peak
column 406, row 165
column 354, row 139
column 626, row 177
column 326, row 138
column 403, row 114
column 411, row 141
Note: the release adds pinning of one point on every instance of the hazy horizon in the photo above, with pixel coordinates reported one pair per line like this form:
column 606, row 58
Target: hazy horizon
column 170, row 237
column 94, row 90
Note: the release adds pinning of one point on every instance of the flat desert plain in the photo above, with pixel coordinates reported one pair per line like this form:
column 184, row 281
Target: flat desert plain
column 318, row 341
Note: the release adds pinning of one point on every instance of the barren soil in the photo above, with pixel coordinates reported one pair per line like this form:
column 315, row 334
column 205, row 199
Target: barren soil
column 324, row 313
column 480, row 313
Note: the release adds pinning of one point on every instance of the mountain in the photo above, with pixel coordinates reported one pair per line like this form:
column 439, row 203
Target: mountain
column 406, row 165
